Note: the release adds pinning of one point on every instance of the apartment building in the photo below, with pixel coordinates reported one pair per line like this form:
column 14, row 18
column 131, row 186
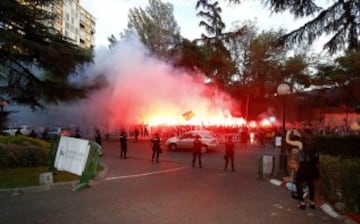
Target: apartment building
column 73, row 22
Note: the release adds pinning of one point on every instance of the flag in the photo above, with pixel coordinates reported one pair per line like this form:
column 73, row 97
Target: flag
column 188, row 115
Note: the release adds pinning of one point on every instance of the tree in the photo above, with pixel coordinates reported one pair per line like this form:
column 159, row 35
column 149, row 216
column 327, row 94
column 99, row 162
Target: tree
column 156, row 27
column 341, row 72
column 190, row 56
column 262, row 65
column 342, row 75
column 220, row 67
column 112, row 40
column 212, row 22
column 340, row 21
column 238, row 43
column 35, row 61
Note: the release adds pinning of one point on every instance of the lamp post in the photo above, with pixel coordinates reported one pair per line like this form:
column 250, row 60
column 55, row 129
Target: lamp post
column 283, row 89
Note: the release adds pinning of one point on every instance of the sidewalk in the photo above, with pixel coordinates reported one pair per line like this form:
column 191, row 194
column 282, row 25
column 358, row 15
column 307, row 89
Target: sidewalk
column 281, row 182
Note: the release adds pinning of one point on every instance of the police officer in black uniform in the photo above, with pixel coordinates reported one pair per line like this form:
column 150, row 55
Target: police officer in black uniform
column 229, row 153
column 155, row 146
column 123, row 144
column 98, row 137
column 197, row 145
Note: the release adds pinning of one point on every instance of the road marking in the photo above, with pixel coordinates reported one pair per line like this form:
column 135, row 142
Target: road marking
column 145, row 174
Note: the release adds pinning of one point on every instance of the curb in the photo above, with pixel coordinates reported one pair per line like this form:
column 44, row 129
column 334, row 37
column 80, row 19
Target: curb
column 45, row 187
column 325, row 207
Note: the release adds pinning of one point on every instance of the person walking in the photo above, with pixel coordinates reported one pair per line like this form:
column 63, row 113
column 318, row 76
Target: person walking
column 98, row 137
column 18, row 132
column 123, row 144
column 307, row 171
column 156, row 148
column 197, row 145
column 229, row 153
column 77, row 133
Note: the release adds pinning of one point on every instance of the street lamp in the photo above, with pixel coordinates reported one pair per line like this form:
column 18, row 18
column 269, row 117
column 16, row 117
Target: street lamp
column 283, row 89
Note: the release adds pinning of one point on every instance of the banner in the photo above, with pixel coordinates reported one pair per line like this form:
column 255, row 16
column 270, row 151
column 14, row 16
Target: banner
column 188, row 115
column 72, row 155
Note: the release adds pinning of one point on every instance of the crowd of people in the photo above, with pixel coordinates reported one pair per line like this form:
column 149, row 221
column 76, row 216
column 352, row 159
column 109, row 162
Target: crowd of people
column 261, row 135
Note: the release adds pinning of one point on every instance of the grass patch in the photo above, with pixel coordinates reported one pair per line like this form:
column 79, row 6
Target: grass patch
column 29, row 176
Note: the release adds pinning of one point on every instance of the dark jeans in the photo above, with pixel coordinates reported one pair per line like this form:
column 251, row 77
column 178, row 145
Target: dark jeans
column 156, row 154
column 197, row 155
column 299, row 189
column 231, row 158
column 123, row 153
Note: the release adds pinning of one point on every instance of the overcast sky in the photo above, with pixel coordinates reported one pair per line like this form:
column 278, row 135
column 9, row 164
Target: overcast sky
column 111, row 16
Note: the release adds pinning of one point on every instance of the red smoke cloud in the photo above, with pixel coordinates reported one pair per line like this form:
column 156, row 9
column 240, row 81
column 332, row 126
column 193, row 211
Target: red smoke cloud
column 142, row 89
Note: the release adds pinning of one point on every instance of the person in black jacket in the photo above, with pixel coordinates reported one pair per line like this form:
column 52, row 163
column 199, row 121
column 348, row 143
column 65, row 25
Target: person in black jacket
column 307, row 171
column 197, row 145
column 156, row 148
column 229, row 153
column 123, row 144
column 98, row 137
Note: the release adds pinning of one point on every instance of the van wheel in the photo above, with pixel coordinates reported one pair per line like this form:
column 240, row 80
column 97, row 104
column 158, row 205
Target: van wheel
column 172, row 147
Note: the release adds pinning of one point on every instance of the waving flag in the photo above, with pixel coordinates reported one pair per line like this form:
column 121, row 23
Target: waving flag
column 188, row 115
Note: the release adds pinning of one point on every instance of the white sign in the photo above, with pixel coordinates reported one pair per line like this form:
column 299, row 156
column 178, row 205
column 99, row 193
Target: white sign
column 72, row 155
column 278, row 141
column 268, row 164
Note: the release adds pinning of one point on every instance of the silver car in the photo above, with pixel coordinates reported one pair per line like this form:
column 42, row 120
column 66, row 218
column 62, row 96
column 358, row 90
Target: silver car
column 185, row 141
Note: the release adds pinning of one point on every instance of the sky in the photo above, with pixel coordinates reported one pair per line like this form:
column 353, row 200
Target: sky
column 111, row 16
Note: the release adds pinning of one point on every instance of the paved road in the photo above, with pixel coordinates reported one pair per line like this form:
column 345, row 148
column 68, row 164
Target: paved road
column 136, row 191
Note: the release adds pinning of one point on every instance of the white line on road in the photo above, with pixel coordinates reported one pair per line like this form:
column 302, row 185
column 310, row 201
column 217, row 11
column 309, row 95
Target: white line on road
column 145, row 174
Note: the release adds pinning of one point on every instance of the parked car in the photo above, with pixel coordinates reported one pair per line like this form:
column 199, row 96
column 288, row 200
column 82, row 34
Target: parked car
column 59, row 131
column 24, row 130
column 185, row 141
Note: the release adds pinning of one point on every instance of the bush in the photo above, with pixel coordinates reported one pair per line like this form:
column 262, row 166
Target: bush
column 22, row 151
column 335, row 145
column 340, row 181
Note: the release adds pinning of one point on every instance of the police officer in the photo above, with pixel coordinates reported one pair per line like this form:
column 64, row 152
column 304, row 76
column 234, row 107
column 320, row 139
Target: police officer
column 229, row 153
column 123, row 144
column 98, row 137
column 197, row 145
column 155, row 145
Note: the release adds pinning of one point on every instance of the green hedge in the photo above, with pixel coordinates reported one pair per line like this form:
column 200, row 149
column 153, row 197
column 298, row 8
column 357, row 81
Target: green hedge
column 22, row 151
column 344, row 146
column 340, row 181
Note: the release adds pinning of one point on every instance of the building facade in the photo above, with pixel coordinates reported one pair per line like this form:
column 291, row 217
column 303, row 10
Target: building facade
column 75, row 23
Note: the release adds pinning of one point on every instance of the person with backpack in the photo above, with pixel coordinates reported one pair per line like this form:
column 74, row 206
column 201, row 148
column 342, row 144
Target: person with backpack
column 308, row 158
